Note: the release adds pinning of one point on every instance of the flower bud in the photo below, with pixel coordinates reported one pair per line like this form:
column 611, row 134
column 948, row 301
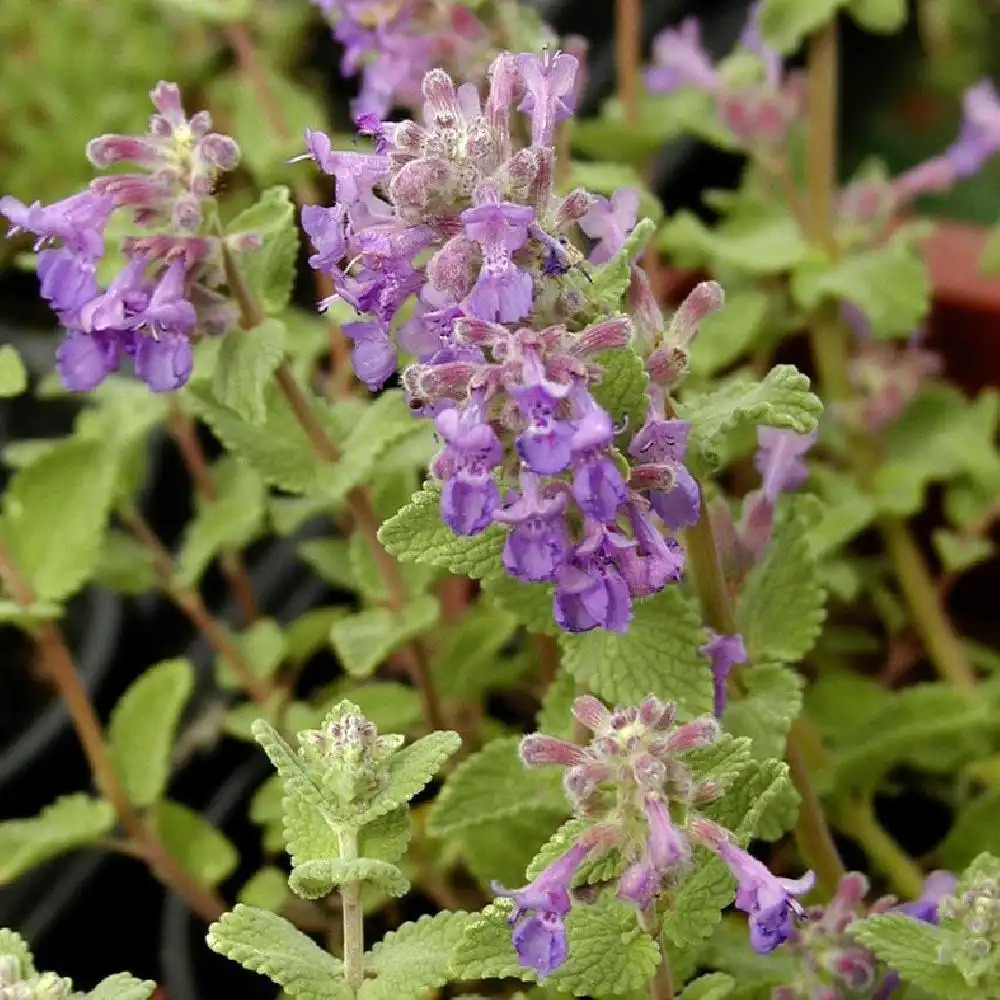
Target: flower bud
column 220, row 151
column 705, row 298
column 439, row 92
column 452, row 271
column 613, row 334
column 573, row 207
column 106, row 150
column 166, row 98
column 701, row 732
column 649, row 771
column 591, row 712
column 537, row 748
column 667, row 366
column 422, row 189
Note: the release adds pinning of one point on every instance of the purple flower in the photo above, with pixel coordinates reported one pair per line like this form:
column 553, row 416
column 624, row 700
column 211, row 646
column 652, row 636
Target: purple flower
column 326, row 227
column 77, row 222
column 66, row 282
column 469, row 496
column 680, row 506
column 679, row 60
column 666, row 848
column 590, row 591
column 538, row 544
column 502, row 293
column 598, row 486
column 84, row 360
column 937, row 885
column 653, row 561
column 373, row 355
column 545, row 444
column 779, row 459
column 164, row 361
column 979, row 139
column 724, row 652
column 539, row 934
column 549, row 92
column 609, row 222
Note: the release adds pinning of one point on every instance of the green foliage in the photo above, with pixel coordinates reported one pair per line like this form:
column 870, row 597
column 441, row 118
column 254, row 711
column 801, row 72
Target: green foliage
column 606, row 288
column 363, row 640
column 142, row 728
column 769, row 699
column 493, row 784
column 125, row 565
column 247, row 360
column 714, row 986
column 269, row 271
column 70, row 822
column 469, row 659
column 786, row 23
column 54, row 514
column 725, row 335
column 780, row 610
column 622, row 389
column 13, row 377
column 266, row 889
column 263, row 648
column 973, row 831
column 315, row 879
column 266, row 943
column 761, row 803
column 958, row 552
column 204, row 852
column 882, row 16
column 529, row 603
column 213, row 11
column 782, row 399
column 695, row 908
column 122, row 986
column 500, row 850
column 657, row 655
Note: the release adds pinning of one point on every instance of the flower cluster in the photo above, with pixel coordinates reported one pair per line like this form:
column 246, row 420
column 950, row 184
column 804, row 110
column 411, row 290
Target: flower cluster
column 166, row 292
column 634, row 787
column 450, row 241
column 971, row 919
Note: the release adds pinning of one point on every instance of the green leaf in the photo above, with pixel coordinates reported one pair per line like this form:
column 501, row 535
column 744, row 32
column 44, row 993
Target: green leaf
column 782, row 399
column 884, row 17
column 417, row 534
column 315, row 879
column 13, row 377
column 468, row 661
column 266, row 943
column 247, row 360
column 657, row 655
column 695, row 908
column 143, row 726
column 204, row 852
column 960, row 552
column 786, row 23
column 54, row 516
column 268, row 270
column 266, row 889
column 781, row 607
column 493, row 784
column 609, row 283
column 410, row 769
column 393, row 707
column 330, row 559
column 974, row 830
column 70, row 822
column 622, row 388
column 714, row 986
column 770, row 699
column 125, row 565
column 608, row 953
column 263, row 647
column 414, row 959
column 763, row 803
column 912, row 948
column 213, row 11
column 364, row 640
column 529, row 603
column 233, row 520
column 501, row 850
column 724, row 336
column 122, row 986
column 890, row 284
column 722, row 762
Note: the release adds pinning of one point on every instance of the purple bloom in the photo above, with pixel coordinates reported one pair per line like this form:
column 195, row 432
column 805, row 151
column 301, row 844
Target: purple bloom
column 539, row 934
column 373, row 356
column 549, row 92
column 77, row 222
column 66, row 282
column 609, row 222
column 538, row 545
column 469, row 496
column 84, row 360
column 679, row 60
column 779, row 459
column 680, row 506
column 979, row 139
column 545, row 444
column 937, row 885
column 598, row 486
column 666, row 848
column 653, row 561
column 164, row 362
column 724, row 652
column 590, row 591
column 326, row 227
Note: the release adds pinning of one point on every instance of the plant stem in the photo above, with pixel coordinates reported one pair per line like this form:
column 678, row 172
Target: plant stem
column 58, row 662
column 189, row 601
column 354, row 930
column 812, row 833
column 628, row 56
column 857, row 819
column 415, row 655
column 661, row 986
column 822, row 169
column 182, row 430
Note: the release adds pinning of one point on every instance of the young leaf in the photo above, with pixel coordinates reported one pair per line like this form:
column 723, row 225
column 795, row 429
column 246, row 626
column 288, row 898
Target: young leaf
column 122, row 986
column 13, row 377
column 364, row 640
column 54, row 516
column 125, row 565
column 722, row 762
column 246, row 362
column 269, row 270
column 501, row 850
column 771, row 697
column 529, row 603
column 263, row 647
column 657, row 655
column 266, row 889
column 266, row 943
column 203, row 852
column 694, row 910
column 142, row 728
column 330, row 560
column 469, row 661
column 316, row 879
column 763, row 803
column 786, row 23
column 414, row 959
column 958, row 552
column 782, row 399
column 491, row 785
column 714, row 986
column 70, row 822
column 622, row 388
column 393, row 707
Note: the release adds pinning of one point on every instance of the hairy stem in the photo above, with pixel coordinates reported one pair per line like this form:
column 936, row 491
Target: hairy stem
column 184, row 433
column 415, row 655
column 661, row 986
column 189, row 601
column 60, row 667
column 628, row 55
column 857, row 819
column 354, row 931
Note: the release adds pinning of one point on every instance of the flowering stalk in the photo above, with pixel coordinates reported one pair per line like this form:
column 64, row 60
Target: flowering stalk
column 354, row 931
column 59, row 663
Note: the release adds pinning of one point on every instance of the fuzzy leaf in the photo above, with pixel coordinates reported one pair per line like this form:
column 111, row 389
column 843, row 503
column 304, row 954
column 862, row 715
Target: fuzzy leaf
column 266, row 943
column 974, row 830
column 529, row 603
column 786, row 23
column 501, row 850
column 912, row 948
column 417, row 534
column 493, row 784
column 722, row 762
column 763, row 803
column 885, row 17
column 782, row 399
column 269, row 270
column 143, row 726
column 657, row 655
column 247, row 360
column 13, row 377
column 415, row 958
column 266, row 889
column 781, row 607
column 714, row 986
column 315, row 879
column 771, row 698
column 70, row 822
column 622, row 388
column 54, row 514
column 393, row 707
column 410, row 769
column 203, row 851
column 122, row 986
column 364, row 640
column 468, row 661
column 610, row 281
column 694, row 910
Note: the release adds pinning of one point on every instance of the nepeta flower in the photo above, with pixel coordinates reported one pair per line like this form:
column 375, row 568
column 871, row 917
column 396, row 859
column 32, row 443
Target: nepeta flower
column 723, row 652
column 680, row 61
column 937, row 885
column 609, row 221
column 539, row 933
column 979, row 139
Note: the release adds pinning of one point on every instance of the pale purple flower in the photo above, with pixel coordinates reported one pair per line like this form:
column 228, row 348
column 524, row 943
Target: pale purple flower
column 661, row 442
column 549, row 92
column 598, row 486
column 979, row 139
column 373, row 355
column 679, row 60
column 609, row 221
column 665, row 848
column 590, row 591
column 653, row 561
column 545, row 444
column 723, row 652
column 326, row 227
column 937, row 885
column 502, row 293
column 539, row 934
column 66, row 281
column 84, row 360
column 163, row 361
column 78, row 222
column 779, row 459
column 538, row 544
